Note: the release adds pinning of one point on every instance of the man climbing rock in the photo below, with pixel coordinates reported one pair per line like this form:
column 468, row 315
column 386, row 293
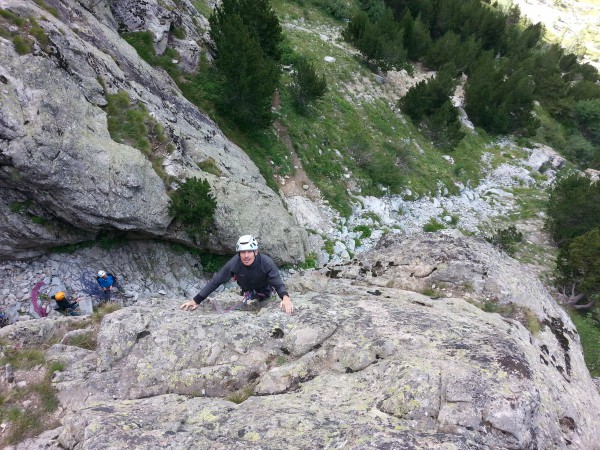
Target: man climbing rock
column 255, row 273
column 65, row 305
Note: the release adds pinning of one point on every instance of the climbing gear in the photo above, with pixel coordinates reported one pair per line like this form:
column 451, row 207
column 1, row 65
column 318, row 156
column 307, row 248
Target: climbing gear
column 59, row 295
column 37, row 307
column 70, row 311
column 246, row 242
column 101, row 273
column 260, row 295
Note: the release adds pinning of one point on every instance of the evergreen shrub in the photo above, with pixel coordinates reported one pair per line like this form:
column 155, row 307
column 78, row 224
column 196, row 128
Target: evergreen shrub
column 194, row 205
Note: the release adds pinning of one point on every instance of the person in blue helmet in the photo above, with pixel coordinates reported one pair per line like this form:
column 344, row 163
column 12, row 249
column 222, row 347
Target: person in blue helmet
column 106, row 280
column 254, row 272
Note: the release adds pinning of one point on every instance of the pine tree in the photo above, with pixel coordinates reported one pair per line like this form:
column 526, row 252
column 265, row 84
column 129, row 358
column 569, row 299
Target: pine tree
column 258, row 17
column 573, row 208
column 375, row 9
column 587, row 117
column 499, row 98
column 550, row 87
column 249, row 78
column 428, row 103
column 380, row 42
column 355, row 30
column 444, row 127
column 413, row 104
column 416, row 39
column 307, row 84
column 579, row 264
column 443, row 50
column 194, row 205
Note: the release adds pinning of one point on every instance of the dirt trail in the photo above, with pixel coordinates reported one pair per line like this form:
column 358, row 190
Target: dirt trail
column 294, row 184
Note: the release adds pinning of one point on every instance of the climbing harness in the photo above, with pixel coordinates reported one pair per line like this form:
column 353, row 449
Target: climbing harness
column 253, row 294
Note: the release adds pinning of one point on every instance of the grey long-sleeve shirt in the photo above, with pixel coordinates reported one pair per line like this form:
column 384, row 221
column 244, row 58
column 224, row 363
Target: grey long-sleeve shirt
column 261, row 273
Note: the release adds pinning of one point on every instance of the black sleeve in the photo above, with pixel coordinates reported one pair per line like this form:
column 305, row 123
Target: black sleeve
column 274, row 276
column 222, row 276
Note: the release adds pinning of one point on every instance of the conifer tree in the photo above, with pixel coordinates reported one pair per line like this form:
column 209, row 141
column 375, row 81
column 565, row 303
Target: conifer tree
column 247, row 37
column 428, row 103
column 375, row 9
column 578, row 265
column 587, row 116
column 307, row 84
column 444, row 127
column 573, row 208
column 249, row 77
column 500, row 99
column 416, row 36
column 380, row 42
column 258, row 17
column 550, row 87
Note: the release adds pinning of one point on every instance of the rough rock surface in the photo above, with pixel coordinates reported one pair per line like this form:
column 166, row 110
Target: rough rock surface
column 363, row 363
column 160, row 19
column 64, row 179
column 143, row 269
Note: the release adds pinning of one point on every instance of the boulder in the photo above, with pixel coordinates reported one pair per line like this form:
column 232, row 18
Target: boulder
column 65, row 176
column 160, row 18
column 362, row 363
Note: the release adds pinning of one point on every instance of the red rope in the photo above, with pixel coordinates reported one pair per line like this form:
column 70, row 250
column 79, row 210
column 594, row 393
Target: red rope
column 34, row 300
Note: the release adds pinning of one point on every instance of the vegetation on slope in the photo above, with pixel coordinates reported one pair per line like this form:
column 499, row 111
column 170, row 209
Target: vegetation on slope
column 353, row 139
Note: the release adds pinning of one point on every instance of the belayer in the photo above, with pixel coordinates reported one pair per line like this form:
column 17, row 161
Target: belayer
column 106, row 280
column 255, row 273
column 65, row 305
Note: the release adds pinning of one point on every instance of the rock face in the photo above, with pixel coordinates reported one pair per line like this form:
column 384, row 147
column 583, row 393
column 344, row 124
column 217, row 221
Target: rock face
column 63, row 177
column 363, row 363
column 160, row 19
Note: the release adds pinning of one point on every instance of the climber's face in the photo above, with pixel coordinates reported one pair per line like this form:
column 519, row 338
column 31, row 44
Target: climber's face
column 247, row 257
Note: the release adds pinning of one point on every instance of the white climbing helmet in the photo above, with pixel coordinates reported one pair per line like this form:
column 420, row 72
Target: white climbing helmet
column 246, row 242
column 101, row 273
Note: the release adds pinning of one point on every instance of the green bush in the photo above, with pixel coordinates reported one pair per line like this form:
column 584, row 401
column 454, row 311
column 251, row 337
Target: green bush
column 178, row 32
column 22, row 45
column 310, row 262
column 38, row 32
column 209, row 165
column 506, row 239
column 433, row 225
column 578, row 264
column 193, row 205
column 365, row 231
column 573, row 208
column 329, row 246
column 213, row 263
column 20, row 207
column 50, row 9
column 589, row 332
column 23, row 422
column 307, row 85
column 103, row 310
column 587, row 116
column 9, row 15
column 130, row 123
column 143, row 43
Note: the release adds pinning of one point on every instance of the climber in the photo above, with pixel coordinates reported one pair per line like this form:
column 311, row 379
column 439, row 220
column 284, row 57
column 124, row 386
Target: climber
column 4, row 319
column 65, row 305
column 106, row 280
column 255, row 273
